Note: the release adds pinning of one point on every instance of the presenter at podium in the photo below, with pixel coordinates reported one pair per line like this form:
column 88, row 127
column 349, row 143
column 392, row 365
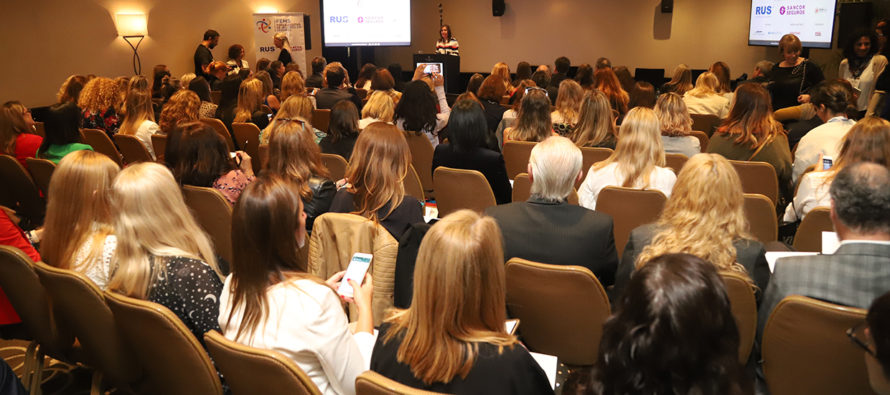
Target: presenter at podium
column 447, row 44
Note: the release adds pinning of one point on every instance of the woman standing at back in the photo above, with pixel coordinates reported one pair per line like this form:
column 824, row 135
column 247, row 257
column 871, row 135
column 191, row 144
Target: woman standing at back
column 792, row 78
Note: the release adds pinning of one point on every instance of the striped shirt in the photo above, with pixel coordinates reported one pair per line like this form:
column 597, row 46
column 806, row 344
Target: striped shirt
column 449, row 48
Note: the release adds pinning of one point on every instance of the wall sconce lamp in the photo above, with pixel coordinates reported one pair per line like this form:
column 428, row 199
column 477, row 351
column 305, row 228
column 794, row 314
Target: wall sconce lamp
column 132, row 27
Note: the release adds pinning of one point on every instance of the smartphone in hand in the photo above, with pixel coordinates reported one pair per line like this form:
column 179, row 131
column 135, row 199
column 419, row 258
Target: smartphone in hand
column 356, row 270
column 827, row 162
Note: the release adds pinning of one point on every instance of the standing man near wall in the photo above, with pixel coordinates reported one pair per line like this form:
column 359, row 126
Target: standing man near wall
column 203, row 56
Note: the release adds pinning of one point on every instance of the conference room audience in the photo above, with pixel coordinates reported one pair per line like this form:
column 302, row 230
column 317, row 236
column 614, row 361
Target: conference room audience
column 228, row 100
column 533, row 123
column 184, row 106
column 584, row 77
column 831, row 100
column 761, row 72
column 11, row 234
column 638, row 160
column 343, row 130
column 276, row 73
column 270, row 301
column 17, row 133
column 217, row 72
column 568, row 104
column 336, row 88
column 395, row 70
column 292, row 84
column 62, row 127
column 875, row 342
column 417, row 111
column 201, row 88
column 452, row 338
column 159, row 74
column 375, row 188
column 548, row 229
column 97, row 101
column 676, row 126
column 608, row 83
column 489, row 94
column 596, row 124
column 705, row 99
column 70, row 90
column 792, row 78
column 250, row 104
column 316, row 79
column 468, row 147
column 862, row 65
column 681, row 81
column 379, row 108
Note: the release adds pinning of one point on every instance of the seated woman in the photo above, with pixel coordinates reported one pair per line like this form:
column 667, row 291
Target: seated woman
column 642, row 95
column 596, row 124
column 17, row 137
column 198, row 156
column 269, row 98
column 671, row 332
column 375, row 178
column 379, row 108
column 417, row 112
column 467, row 149
column 638, row 160
column 140, row 119
column 382, row 81
column 608, row 83
column 270, row 302
column 293, row 84
column 201, row 87
column 62, row 133
column 489, row 94
column 97, row 101
column 704, row 217
column 534, row 122
column 296, row 106
column 183, row 107
column 867, row 141
column 342, row 131
column 875, row 340
column 831, row 100
column 568, row 103
column 751, row 134
column 676, row 126
column 704, row 99
column 681, row 81
column 452, row 338
column 70, row 90
column 78, row 233
column 294, row 155
column 250, row 104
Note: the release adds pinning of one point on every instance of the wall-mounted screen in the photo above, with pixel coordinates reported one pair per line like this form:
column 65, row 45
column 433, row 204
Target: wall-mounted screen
column 371, row 23
column 812, row 21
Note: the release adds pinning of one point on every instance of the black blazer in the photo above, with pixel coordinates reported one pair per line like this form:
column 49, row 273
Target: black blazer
column 558, row 234
column 485, row 161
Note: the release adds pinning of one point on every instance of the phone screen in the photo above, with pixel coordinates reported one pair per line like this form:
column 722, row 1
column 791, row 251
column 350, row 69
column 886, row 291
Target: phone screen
column 432, row 68
column 826, row 162
column 358, row 266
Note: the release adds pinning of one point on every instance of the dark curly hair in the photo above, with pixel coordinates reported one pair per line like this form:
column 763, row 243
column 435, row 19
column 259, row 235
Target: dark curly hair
column 417, row 108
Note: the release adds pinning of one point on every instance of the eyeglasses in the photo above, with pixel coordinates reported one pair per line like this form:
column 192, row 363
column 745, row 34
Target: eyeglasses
column 852, row 334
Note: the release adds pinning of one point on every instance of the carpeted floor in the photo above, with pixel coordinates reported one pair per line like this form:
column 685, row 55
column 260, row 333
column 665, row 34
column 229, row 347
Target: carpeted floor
column 58, row 377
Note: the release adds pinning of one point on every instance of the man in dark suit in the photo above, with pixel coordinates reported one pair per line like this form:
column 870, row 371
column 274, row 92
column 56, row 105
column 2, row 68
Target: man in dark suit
column 548, row 229
column 336, row 82
column 859, row 271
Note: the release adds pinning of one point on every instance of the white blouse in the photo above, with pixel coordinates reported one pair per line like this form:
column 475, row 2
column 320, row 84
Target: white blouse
column 812, row 193
column 660, row 179
column 866, row 81
column 100, row 270
column 707, row 105
column 824, row 139
column 144, row 132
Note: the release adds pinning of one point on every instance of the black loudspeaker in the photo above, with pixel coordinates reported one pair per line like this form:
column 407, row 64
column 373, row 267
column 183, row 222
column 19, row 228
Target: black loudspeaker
column 498, row 7
column 667, row 6
column 853, row 17
column 307, row 32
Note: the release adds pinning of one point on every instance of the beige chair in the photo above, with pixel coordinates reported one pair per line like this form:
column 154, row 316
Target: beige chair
column 373, row 383
column 705, row 122
column 251, row 370
column 522, row 190
column 422, row 159
column 629, row 208
column 561, row 309
column 412, row 184
column 132, row 149
column 675, row 161
column 809, row 233
column 335, row 164
column 248, row 136
column 20, row 193
column 806, row 350
column 703, row 139
column 80, row 307
column 336, row 236
column 173, row 359
column 321, row 119
column 41, row 172
column 214, row 213
column 761, row 215
column 516, row 154
column 102, row 144
column 159, row 144
column 758, row 177
column 220, row 129
column 460, row 188
column 744, row 309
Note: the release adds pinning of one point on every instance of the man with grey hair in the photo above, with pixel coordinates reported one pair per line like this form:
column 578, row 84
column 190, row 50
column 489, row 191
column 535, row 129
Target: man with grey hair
column 761, row 71
column 859, row 271
column 548, row 229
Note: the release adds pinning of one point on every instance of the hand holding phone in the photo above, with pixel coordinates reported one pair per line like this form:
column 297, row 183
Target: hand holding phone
column 358, row 266
column 827, row 162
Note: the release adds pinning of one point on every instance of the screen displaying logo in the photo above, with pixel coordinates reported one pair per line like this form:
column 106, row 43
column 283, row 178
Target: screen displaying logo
column 339, row 19
column 763, row 10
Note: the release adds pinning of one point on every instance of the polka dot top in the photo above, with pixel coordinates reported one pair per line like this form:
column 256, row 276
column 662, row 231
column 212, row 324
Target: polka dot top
column 190, row 289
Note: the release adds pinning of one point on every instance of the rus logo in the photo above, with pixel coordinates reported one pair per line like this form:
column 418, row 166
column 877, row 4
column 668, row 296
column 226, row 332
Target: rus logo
column 339, row 19
column 763, row 10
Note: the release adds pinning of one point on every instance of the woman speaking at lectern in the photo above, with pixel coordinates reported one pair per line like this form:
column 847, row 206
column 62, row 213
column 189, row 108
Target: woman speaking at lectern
column 447, row 44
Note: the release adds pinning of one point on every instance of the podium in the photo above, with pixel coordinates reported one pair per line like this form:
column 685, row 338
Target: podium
column 450, row 69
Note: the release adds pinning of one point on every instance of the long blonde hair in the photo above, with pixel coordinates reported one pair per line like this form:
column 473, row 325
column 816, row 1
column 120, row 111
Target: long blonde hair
column 250, row 96
column 502, row 70
column 296, row 106
column 639, row 148
column 292, row 84
column 379, row 106
column 78, row 209
column 751, row 117
column 705, row 85
column 595, row 123
column 673, row 115
column 152, row 222
column 293, row 154
column 568, row 101
column 704, row 215
column 98, row 95
column 377, row 168
column 459, row 299
column 138, row 108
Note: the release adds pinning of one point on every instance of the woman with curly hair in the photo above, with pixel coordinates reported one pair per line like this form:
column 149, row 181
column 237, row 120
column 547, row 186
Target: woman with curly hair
column 97, row 101
column 183, row 107
column 417, row 113
column 676, row 125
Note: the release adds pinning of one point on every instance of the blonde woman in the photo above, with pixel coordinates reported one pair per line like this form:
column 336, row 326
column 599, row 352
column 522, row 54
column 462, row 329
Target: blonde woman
column 704, row 217
column 676, row 125
column 502, row 70
column 78, row 231
column 97, row 102
column 162, row 255
column 140, row 119
column 533, row 122
column 269, row 99
column 281, row 42
column 379, row 108
column 452, row 338
column 296, row 106
column 681, row 81
column 250, row 100
column 183, row 107
column 704, row 99
column 638, row 160
column 568, row 103
column 596, row 122
column 293, row 84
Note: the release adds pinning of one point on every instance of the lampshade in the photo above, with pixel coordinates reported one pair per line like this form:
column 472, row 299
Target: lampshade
column 131, row 24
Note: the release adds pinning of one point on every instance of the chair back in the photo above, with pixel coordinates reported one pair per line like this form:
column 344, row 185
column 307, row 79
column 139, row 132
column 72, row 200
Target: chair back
column 214, row 213
column 102, row 144
column 412, row 184
column 373, row 383
column 744, row 309
column 251, row 370
column 248, row 135
column 516, row 154
column 336, row 165
column 20, row 193
column 675, row 161
column 629, row 208
column 589, row 156
column 758, row 177
column 132, row 149
column 809, row 233
column 159, row 144
column 522, row 190
column 173, row 359
column 703, row 139
column 41, row 172
column 805, row 350
column 706, row 123
column 460, row 188
column 80, row 307
column 561, row 309
column 761, row 215
column 321, row 119
column 220, row 129
column 422, row 158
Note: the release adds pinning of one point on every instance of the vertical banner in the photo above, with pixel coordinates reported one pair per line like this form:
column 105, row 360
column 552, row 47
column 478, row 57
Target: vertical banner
column 291, row 24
